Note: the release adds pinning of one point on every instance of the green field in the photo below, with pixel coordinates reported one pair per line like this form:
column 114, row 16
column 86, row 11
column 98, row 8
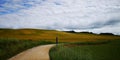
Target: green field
column 11, row 47
column 105, row 50
column 73, row 46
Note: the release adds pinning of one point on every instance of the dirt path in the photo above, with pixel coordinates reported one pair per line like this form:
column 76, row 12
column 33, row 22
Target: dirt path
column 36, row 53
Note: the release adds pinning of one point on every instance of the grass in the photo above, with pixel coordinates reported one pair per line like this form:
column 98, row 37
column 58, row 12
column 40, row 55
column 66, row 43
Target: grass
column 86, row 47
column 50, row 35
column 11, row 47
column 108, row 50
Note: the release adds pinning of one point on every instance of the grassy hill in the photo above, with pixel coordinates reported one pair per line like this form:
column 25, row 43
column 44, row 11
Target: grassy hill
column 50, row 35
column 18, row 40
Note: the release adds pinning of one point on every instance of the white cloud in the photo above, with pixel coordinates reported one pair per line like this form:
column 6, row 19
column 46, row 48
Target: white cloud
column 65, row 14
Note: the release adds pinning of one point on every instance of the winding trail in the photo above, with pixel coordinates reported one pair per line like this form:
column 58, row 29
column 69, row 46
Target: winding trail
column 36, row 53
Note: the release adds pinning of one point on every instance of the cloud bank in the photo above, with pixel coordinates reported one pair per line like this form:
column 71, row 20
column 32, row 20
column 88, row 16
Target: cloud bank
column 79, row 15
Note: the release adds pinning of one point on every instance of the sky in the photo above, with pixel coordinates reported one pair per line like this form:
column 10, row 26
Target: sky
column 98, row 16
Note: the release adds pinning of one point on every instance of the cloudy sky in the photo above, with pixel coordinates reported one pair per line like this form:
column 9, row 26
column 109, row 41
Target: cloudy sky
column 79, row 15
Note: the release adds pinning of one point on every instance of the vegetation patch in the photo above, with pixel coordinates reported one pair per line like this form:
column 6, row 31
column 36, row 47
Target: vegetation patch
column 50, row 35
column 87, row 43
column 11, row 47
column 109, row 50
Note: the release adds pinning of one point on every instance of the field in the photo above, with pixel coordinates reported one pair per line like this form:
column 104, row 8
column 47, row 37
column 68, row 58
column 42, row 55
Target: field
column 73, row 46
column 11, row 47
column 50, row 35
column 105, row 50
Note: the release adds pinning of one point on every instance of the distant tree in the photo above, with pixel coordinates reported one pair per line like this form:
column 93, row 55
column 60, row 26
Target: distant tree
column 87, row 32
column 70, row 31
column 106, row 34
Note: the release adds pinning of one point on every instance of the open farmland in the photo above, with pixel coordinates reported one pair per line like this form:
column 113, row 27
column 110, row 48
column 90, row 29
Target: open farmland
column 99, row 50
column 18, row 40
column 50, row 35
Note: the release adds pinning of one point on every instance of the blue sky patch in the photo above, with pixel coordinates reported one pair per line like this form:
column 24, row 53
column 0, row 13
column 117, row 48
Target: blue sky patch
column 2, row 1
column 57, row 3
column 8, row 6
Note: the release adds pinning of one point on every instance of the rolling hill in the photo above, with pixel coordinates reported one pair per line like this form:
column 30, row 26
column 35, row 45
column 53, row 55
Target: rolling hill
column 50, row 35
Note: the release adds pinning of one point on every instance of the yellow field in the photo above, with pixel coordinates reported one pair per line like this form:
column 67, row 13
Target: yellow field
column 50, row 35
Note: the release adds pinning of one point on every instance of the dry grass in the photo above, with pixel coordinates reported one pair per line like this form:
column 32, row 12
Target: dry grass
column 50, row 35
